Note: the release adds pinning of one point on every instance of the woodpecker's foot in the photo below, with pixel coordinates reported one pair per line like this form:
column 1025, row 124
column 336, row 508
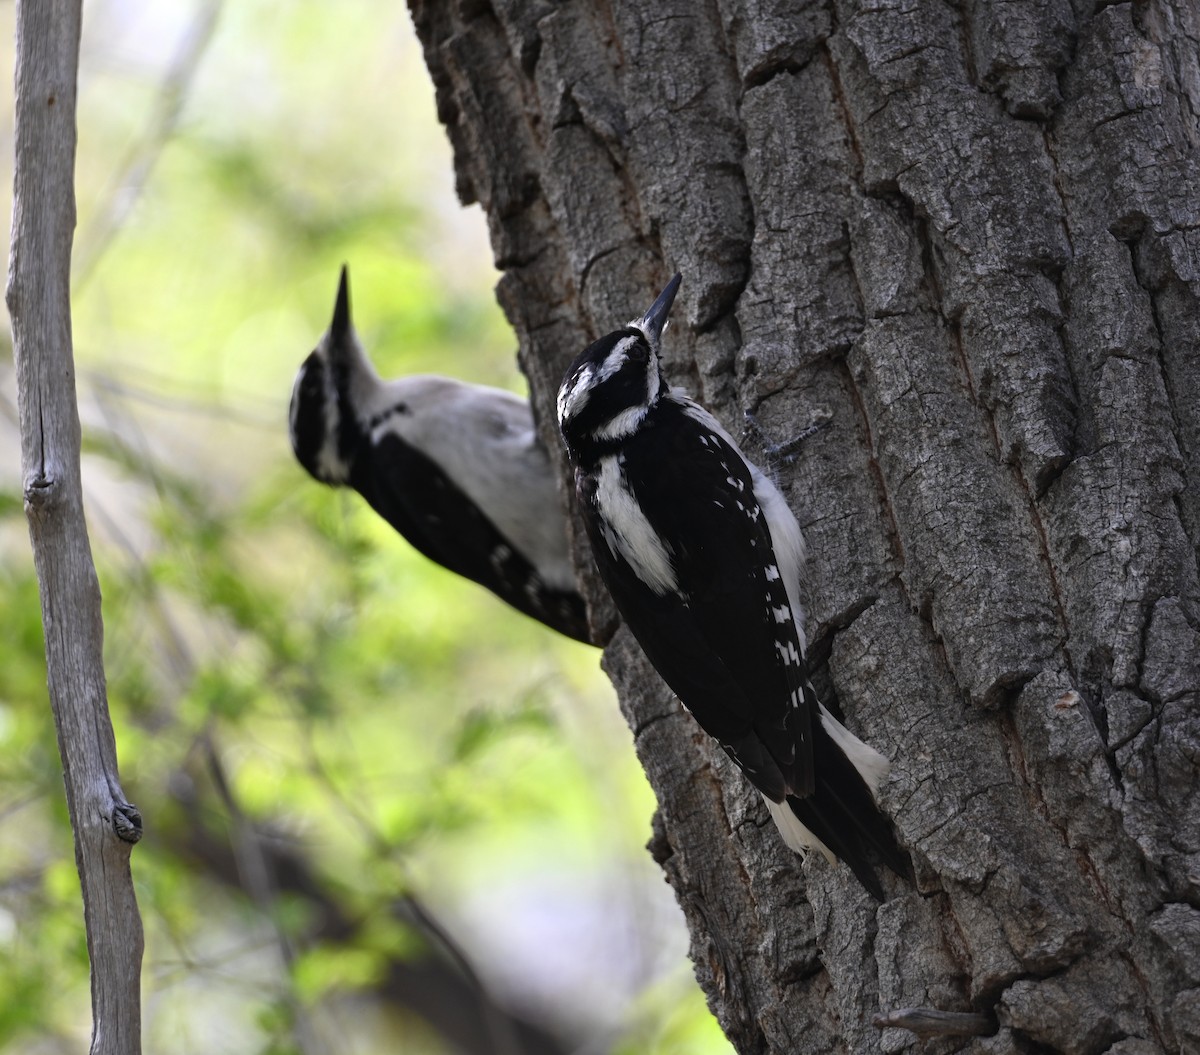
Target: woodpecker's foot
column 787, row 450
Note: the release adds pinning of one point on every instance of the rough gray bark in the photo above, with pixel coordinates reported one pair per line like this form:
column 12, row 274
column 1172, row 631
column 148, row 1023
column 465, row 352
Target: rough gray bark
column 966, row 235
column 38, row 296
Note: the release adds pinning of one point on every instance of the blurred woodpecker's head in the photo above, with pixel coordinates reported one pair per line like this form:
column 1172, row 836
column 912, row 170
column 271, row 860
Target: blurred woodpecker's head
column 613, row 384
column 322, row 424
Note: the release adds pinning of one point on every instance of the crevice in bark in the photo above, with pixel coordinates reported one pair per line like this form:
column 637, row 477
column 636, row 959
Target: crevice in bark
column 954, row 330
column 594, row 260
column 1056, row 180
column 822, row 643
column 841, row 103
column 1147, row 991
column 765, row 74
column 654, row 719
column 962, row 25
column 1183, row 441
column 1047, row 560
column 891, row 528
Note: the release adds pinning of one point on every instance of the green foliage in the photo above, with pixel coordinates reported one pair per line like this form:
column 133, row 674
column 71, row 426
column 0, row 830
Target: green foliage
column 316, row 723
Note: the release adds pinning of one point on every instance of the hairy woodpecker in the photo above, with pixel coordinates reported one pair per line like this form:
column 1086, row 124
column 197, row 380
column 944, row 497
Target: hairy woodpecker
column 702, row 556
column 455, row 468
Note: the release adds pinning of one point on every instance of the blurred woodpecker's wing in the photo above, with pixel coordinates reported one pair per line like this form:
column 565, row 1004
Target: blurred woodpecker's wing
column 424, row 505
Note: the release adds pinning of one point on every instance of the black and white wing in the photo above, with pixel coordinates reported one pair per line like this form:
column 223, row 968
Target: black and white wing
column 421, row 502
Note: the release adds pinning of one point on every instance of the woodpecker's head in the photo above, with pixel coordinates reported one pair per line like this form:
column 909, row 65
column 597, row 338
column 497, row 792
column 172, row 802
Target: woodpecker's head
column 616, row 381
column 322, row 423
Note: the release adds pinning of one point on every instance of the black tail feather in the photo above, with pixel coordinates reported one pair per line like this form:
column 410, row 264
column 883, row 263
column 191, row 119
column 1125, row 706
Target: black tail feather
column 842, row 840
column 843, row 814
column 872, row 826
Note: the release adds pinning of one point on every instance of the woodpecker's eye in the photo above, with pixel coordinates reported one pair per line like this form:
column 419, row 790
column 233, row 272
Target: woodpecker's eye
column 639, row 353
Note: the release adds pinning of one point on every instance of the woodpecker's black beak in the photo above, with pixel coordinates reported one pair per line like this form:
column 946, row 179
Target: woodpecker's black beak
column 339, row 329
column 655, row 320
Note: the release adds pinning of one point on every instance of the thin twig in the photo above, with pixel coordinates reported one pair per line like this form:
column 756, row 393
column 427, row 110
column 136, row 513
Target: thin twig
column 499, row 1025
column 133, row 175
column 256, row 878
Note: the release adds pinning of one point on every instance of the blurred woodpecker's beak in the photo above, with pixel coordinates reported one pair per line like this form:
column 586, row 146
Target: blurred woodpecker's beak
column 340, row 328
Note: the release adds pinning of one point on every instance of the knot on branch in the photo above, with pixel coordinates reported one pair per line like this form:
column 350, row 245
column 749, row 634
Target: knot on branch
column 127, row 822
column 40, row 492
column 928, row 1022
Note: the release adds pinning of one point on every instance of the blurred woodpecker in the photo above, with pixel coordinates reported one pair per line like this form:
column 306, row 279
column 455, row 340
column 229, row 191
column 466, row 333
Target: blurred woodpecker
column 455, row 468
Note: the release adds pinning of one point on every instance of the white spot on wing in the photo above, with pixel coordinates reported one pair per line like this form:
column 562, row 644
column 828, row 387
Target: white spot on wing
column 786, row 538
column 788, row 652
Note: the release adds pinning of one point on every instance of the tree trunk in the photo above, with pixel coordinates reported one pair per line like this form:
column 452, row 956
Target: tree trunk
column 104, row 824
column 967, row 237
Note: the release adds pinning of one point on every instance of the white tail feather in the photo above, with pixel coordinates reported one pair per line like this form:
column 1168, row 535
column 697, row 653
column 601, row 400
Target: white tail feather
column 871, row 765
column 795, row 835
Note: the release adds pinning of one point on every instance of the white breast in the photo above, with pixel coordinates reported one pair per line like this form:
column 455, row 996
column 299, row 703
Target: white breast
column 627, row 531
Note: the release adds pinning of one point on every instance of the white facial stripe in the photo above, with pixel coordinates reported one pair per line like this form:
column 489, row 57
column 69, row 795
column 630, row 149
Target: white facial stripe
column 330, row 460
column 330, row 465
column 652, row 364
column 617, row 357
column 573, row 398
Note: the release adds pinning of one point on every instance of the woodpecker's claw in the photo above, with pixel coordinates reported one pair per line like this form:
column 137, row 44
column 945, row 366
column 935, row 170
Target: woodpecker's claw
column 787, row 450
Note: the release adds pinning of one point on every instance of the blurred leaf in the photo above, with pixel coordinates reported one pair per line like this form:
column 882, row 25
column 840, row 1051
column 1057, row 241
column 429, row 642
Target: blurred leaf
column 323, row 969
column 482, row 729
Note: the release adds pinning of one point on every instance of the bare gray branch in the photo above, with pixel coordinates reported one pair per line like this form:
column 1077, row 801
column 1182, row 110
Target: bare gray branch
column 38, row 296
